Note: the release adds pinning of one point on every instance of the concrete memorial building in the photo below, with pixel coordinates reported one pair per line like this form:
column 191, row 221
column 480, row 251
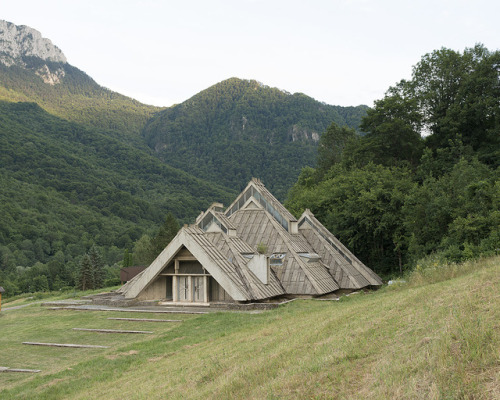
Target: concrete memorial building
column 255, row 250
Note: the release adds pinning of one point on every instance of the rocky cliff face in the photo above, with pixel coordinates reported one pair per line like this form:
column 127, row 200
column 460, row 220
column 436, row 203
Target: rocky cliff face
column 19, row 42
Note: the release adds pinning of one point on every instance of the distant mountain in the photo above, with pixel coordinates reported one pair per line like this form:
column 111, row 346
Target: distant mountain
column 74, row 168
column 22, row 41
column 239, row 129
column 32, row 69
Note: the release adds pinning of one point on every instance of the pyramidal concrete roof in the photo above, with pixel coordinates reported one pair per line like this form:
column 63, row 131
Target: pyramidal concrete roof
column 307, row 259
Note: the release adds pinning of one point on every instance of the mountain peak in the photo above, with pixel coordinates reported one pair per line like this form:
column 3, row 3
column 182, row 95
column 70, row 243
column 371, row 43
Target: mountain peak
column 19, row 41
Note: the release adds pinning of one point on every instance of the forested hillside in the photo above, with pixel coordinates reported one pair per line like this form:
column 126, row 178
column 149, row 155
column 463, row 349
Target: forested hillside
column 239, row 129
column 74, row 96
column 425, row 180
column 66, row 186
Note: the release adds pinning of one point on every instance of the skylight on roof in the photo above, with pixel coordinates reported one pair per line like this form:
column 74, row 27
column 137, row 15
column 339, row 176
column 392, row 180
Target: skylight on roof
column 259, row 198
column 276, row 258
column 310, row 257
column 210, row 219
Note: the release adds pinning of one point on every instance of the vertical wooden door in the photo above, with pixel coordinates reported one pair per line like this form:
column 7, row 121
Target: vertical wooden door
column 198, row 289
column 183, row 288
column 169, row 295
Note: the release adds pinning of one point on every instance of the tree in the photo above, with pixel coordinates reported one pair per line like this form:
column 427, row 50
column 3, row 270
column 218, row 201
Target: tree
column 393, row 132
column 458, row 96
column 143, row 251
column 57, row 268
column 40, row 284
column 331, row 145
column 91, row 273
column 166, row 233
column 127, row 258
column 85, row 278
column 97, row 267
column 458, row 210
column 451, row 97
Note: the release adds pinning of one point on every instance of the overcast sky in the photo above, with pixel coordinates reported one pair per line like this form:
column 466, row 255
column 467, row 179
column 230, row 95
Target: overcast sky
column 341, row 52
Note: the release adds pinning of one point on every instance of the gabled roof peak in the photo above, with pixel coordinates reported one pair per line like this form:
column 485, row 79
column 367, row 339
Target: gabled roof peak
column 211, row 219
column 257, row 191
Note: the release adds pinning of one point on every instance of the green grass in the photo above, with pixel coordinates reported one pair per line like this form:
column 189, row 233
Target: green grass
column 27, row 298
column 425, row 340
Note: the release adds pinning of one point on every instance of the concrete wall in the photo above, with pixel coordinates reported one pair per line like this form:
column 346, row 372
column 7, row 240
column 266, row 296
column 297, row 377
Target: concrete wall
column 157, row 290
column 217, row 292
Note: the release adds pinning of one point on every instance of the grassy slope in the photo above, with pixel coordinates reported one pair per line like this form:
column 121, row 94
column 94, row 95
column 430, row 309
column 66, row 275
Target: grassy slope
column 423, row 341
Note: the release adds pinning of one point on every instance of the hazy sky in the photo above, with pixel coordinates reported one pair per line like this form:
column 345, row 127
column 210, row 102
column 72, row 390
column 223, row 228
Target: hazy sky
column 342, row 52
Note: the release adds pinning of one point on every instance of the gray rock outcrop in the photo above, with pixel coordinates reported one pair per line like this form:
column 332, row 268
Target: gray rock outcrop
column 20, row 41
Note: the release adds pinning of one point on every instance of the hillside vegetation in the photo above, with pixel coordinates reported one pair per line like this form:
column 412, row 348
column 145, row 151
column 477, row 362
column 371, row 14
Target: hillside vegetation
column 426, row 176
column 77, row 97
column 239, row 129
column 427, row 339
column 66, row 186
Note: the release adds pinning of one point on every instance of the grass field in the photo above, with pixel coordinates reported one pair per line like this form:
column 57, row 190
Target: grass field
column 420, row 340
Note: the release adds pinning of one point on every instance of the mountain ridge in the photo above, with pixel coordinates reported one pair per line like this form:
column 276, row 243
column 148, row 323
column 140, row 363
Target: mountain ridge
column 240, row 128
column 33, row 69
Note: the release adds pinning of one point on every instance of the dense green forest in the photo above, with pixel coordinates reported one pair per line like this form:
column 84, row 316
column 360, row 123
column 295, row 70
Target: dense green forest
column 77, row 97
column 425, row 179
column 239, row 129
column 65, row 186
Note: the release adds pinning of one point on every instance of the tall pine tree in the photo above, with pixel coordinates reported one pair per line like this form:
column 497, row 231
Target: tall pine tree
column 167, row 232
column 85, row 279
column 91, row 270
column 97, row 267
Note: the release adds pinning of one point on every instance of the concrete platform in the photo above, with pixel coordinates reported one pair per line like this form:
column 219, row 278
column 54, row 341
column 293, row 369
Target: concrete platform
column 117, row 302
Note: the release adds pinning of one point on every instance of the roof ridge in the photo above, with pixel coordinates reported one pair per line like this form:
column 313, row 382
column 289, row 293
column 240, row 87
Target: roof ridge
column 297, row 258
column 216, row 254
column 264, row 193
column 366, row 273
column 274, row 201
column 319, row 225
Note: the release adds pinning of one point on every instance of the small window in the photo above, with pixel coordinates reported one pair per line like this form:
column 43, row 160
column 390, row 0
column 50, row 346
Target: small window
column 276, row 258
column 309, row 257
